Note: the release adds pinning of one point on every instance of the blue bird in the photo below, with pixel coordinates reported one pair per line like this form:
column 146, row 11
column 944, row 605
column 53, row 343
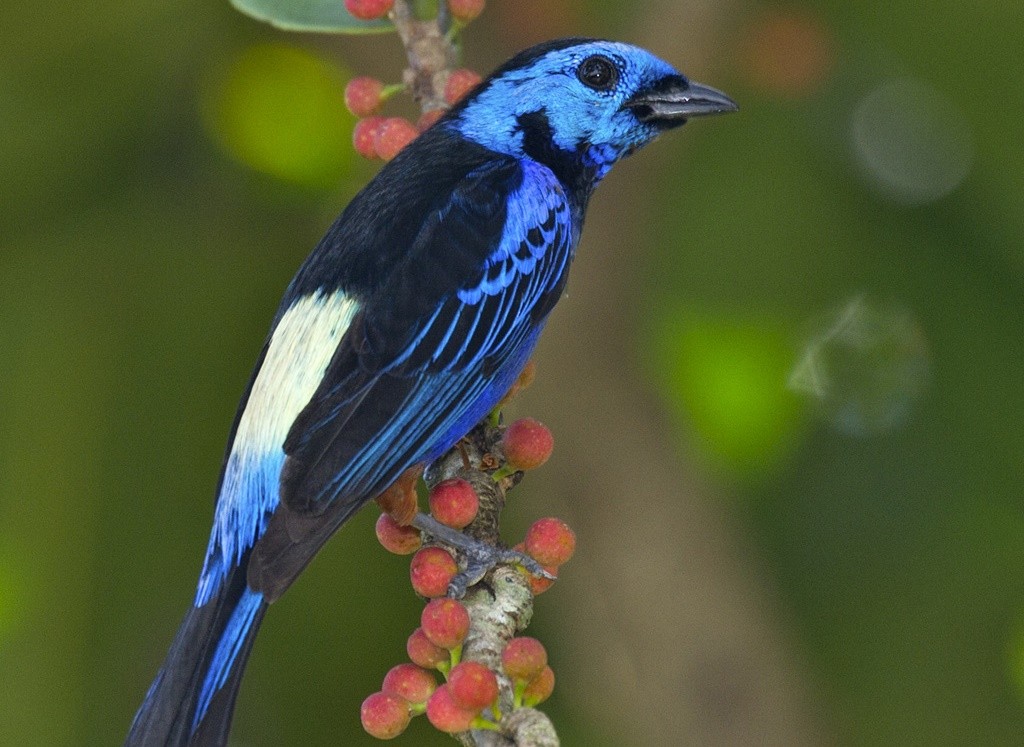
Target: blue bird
column 405, row 327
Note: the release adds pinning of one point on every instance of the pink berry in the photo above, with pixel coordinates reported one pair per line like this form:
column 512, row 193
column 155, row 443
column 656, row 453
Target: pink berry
column 454, row 503
column 527, row 444
column 393, row 134
column 368, row 10
column 410, row 683
column 540, row 688
column 445, row 714
column 428, row 118
column 396, row 538
column 459, row 83
column 431, row 570
column 466, row 10
column 384, row 716
column 363, row 136
column 445, row 622
column 524, row 658
column 424, row 653
column 473, row 686
column 400, row 498
column 363, row 96
column 550, row 542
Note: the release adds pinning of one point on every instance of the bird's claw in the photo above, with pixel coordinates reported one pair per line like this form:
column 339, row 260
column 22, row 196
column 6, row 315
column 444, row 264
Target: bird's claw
column 478, row 557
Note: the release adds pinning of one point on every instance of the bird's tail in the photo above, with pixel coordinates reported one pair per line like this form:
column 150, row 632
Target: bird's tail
column 192, row 699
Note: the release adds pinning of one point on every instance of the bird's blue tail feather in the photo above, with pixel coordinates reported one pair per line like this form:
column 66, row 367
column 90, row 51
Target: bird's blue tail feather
column 226, row 654
column 192, row 699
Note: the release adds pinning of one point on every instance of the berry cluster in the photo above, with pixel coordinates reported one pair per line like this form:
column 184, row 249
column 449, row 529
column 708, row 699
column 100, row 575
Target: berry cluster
column 411, row 689
column 469, row 696
column 454, row 503
column 526, row 663
column 377, row 137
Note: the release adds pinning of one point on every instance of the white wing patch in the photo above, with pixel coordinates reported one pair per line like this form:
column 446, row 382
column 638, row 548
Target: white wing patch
column 300, row 350
column 303, row 343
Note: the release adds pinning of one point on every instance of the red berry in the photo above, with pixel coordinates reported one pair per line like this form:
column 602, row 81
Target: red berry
column 368, row 10
column 473, row 686
column 527, row 444
column 396, row 538
column 445, row 622
column 454, row 503
column 362, row 96
column 431, row 570
column 524, row 658
column 400, row 498
column 540, row 688
column 410, row 683
column 384, row 716
column 393, row 134
column 550, row 541
column 364, row 134
column 421, row 651
column 445, row 714
column 465, row 10
column 459, row 83
column 428, row 118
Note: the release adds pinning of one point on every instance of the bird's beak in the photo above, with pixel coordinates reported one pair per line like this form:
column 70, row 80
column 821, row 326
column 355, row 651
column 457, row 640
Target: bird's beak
column 674, row 99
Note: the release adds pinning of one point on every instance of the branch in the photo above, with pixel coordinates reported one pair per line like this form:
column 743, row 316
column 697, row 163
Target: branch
column 431, row 52
column 501, row 604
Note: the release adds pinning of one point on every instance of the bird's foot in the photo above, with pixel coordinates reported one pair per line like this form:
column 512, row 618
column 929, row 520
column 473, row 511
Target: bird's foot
column 478, row 557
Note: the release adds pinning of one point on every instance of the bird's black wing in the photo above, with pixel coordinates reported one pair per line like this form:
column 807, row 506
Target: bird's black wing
column 415, row 362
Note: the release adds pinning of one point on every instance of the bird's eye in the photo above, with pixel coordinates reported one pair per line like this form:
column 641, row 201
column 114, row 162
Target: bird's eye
column 598, row 72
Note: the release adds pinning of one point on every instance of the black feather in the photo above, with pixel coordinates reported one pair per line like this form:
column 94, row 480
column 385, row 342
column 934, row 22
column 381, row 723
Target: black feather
column 381, row 224
column 166, row 715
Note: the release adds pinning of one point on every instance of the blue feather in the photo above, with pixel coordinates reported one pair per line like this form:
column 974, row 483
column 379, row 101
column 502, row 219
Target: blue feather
column 250, row 480
column 227, row 650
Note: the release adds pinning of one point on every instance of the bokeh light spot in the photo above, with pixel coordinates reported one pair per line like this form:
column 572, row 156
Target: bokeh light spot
column 726, row 377
column 910, row 141
column 864, row 367
column 787, row 53
column 280, row 111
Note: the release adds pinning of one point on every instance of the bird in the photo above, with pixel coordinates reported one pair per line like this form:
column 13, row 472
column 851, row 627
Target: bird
column 404, row 327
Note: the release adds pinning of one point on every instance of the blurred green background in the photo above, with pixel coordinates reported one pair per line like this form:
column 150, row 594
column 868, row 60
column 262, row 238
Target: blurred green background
column 785, row 386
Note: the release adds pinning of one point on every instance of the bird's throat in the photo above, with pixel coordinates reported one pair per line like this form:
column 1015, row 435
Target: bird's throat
column 577, row 170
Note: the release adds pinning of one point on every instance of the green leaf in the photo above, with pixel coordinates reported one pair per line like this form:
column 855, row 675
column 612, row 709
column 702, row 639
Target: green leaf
column 310, row 15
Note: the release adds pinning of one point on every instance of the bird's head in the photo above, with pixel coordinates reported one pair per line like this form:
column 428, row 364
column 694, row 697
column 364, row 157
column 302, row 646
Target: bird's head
column 582, row 104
